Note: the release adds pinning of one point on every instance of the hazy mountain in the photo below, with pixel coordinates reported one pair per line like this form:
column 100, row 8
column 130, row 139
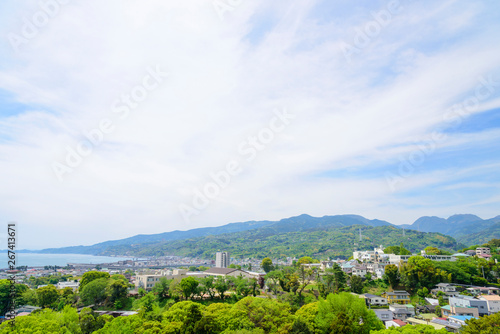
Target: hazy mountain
column 453, row 226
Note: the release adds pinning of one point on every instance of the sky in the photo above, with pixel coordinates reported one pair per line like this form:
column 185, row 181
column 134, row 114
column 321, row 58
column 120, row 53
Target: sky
column 132, row 117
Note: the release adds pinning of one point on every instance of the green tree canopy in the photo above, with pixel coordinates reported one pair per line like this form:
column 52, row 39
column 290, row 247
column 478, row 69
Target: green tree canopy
column 89, row 276
column 391, row 275
column 94, row 292
column 346, row 313
column 267, row 264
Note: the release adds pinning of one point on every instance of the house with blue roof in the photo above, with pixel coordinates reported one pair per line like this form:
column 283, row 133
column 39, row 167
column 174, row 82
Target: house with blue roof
column 460, row 319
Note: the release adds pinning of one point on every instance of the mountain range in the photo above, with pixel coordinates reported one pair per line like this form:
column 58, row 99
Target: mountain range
column 465, row 228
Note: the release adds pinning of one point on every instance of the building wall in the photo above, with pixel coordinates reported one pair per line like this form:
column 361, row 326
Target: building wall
column 222, row 259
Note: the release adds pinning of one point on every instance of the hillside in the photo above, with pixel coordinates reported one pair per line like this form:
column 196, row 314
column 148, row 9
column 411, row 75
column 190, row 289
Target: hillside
column 321, row 242
column 292, row 224
column 455, row 226
column 469, row 229
column 482, row 237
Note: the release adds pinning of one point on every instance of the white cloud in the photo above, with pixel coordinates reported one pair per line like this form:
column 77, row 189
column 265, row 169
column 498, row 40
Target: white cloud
column 221, row 88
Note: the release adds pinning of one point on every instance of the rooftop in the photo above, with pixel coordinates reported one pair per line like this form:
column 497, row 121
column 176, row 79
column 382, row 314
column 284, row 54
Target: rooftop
column 490, row 297
column 399, row 322
column 423, row 322
column 462, row 317
column 220, row 271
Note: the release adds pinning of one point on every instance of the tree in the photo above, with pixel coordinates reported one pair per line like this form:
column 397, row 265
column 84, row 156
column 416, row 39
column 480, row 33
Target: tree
column 267, row 314
column 332, row 281
column 221, row 286
column 242, row 286
column 94, row 292
column 46, row 295
column 89, row 276
column 162, row 288
column 90, row 321
column 485, row 325
column 273, row 280
column 346, row 313
column 21, row 290
column 300, row 327
column 306, row 260
column 420, row 272
column 188, row 286
column 418, row 329
column 116, row 291
column 208, row 286
column 356, row 284
column 391, row 275
column 432, row 250
column 267, row 265
column 308, row 314
column 186, row 312
column 403, row 251
column 305, row 277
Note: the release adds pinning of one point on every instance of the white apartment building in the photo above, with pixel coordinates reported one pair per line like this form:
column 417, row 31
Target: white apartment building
column 222, row 259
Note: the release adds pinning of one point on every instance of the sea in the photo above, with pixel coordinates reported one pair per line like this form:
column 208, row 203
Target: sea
column 61, row 260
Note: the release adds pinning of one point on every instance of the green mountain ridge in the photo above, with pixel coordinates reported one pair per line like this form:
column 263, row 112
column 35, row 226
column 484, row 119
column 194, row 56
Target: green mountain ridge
column 466, row 228
column 322, row 242
column 291, row 224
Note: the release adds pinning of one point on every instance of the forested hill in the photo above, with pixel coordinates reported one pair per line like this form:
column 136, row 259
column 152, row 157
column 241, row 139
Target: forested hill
column 467, row 228
column 319, row 242
column 292, row 224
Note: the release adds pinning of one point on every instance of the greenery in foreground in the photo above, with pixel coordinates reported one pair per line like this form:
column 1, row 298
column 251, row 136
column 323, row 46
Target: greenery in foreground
column 319, row 243
column 337, row 313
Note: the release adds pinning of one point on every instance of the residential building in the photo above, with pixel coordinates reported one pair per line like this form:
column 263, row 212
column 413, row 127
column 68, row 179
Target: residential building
column 374, row 300
column 450, row 326
column 222, row 259
column 493, row 302
column 394, row 323
column 482, row 250
column 459, row 256
column 376, row 255
column 469, row 302
column 359, row 270
column 26, row 309
column 439, row 257
column 414, row 321
column 470, row 252
column 384, row 315
column 446, row 288
column 397, row 259
column 147, row 282
column 397, row 296
column 327, row 264
column 479, row 290
column 402, row 312
column 460, row 319
column 432, row 301
column 71, row 284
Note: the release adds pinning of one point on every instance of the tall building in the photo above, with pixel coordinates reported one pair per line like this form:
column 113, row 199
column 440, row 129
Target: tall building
column 222, row 259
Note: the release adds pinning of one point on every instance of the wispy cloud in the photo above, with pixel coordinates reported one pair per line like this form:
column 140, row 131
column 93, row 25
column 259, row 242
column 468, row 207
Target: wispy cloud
column 353, row 120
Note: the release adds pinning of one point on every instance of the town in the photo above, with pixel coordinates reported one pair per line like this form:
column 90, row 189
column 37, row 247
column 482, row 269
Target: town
column 429, row 288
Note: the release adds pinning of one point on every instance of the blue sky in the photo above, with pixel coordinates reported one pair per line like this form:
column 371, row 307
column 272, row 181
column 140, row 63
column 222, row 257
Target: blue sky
column 118, row 119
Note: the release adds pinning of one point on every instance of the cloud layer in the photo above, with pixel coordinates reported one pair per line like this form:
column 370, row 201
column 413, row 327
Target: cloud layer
column 394, row 113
